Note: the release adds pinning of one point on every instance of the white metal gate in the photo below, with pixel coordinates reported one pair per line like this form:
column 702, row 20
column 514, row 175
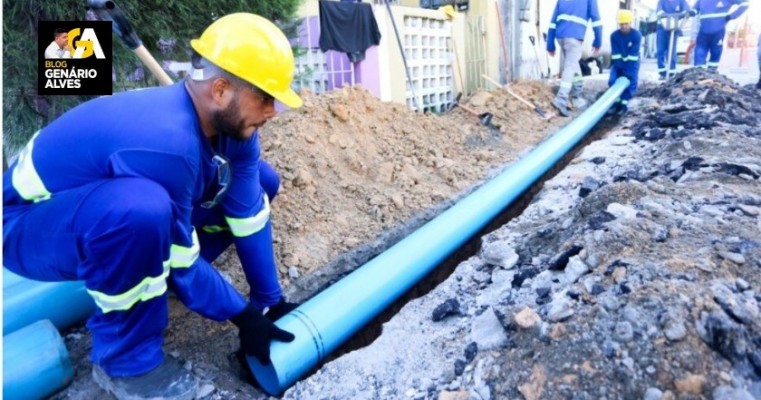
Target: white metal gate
column 426, row 47
column 475, row 52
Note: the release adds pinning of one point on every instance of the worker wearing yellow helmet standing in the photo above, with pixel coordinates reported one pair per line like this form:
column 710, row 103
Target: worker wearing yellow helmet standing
column 624, row 45
column 153, row 186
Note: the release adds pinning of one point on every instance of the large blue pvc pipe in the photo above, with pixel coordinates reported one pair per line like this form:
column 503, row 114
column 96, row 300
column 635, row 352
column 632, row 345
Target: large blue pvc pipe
column 328, row 319
column 26, row 301
column 35, row 362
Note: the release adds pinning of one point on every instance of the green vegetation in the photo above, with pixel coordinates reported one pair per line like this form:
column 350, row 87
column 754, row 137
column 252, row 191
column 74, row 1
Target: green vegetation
column 164, row 26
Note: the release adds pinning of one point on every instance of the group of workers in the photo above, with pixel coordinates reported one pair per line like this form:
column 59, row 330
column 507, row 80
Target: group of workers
column 569, row 24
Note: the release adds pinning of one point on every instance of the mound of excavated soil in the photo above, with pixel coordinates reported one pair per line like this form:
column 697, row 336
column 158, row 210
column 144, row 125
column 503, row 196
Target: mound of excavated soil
column 353, row 166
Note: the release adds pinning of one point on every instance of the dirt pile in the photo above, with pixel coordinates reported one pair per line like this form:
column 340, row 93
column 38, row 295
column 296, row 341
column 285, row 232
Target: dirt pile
column 353, row 166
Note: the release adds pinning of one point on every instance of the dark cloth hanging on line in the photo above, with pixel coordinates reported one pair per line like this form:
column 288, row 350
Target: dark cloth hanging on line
column 348, row 27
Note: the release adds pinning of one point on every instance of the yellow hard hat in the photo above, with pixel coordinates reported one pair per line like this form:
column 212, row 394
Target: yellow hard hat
column 625, row 17
column 253, row 49
column 448, row 10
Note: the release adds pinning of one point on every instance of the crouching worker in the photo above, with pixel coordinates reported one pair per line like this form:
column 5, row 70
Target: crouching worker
column 624, row 44
column 152, row 186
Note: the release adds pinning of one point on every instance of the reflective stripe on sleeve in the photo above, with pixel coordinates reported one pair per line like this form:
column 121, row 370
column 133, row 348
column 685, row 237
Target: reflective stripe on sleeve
column 25, row 178
column 242, row 227
column 553, row 26
column 147, row 289
column 597, row 23
column 182, row 256
column 715, row 15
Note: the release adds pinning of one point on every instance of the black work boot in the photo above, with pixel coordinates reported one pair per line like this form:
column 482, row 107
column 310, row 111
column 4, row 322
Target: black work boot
column 168, row 381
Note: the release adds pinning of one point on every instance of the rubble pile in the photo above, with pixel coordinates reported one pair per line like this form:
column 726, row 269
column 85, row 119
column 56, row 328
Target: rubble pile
column 698, row 99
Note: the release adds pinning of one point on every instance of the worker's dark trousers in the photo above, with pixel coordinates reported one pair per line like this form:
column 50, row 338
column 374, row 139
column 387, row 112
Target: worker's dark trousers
column 662, row 42
column 709, row 43
column 114, row 235
column 628, row 93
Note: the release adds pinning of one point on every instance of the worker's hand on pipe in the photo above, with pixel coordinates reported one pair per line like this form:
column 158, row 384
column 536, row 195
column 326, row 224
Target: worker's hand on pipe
column 256, row 332
column 551, row 53
column 273, row 313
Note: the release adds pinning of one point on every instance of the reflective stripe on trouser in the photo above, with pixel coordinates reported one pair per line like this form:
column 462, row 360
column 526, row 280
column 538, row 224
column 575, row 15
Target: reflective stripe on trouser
column 119, row 248
column 709, row 43
column 571, row 49
column 662, row 41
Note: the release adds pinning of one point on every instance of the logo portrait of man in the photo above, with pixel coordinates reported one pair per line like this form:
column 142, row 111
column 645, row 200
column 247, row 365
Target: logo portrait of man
column 59, row 47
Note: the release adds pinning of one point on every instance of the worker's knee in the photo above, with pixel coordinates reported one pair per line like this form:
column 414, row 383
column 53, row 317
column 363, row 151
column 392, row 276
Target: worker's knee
column 137, row 205
column 269, row 179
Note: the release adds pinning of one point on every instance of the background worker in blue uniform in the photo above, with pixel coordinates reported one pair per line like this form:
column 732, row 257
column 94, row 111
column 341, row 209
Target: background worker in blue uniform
column 624, row 48
column 666, row 8
column 139, row 191
column 713, row 16
column 569, row 26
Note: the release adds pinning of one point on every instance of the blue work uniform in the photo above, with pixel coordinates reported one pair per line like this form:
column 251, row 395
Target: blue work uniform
column 714, row 15
column 570, row 19
column 110, row 193
column 569, row 25
column 625, row 62
column 666, row 7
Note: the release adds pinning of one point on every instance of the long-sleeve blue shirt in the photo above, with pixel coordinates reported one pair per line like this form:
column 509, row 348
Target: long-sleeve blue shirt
column 570, row 20
column 672, row 7
column 625, row 52
column 714, row 14
column 155, row 134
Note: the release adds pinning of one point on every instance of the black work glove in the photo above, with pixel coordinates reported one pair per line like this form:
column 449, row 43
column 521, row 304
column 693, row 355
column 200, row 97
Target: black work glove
column 257, row 332
column 274, row 312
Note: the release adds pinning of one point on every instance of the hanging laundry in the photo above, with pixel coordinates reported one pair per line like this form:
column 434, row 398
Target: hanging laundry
column 348, row 27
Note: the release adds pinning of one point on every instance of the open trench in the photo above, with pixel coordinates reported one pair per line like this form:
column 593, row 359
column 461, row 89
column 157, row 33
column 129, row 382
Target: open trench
column 354, row 259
